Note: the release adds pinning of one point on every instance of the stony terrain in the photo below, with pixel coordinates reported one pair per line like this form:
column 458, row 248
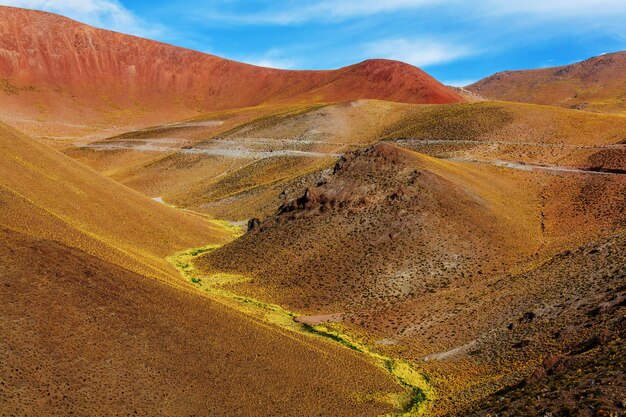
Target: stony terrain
column 85, row 337
column 513, row 132
column 579, row 328
column 244, row 163
column 238, row 169
column 432, row 260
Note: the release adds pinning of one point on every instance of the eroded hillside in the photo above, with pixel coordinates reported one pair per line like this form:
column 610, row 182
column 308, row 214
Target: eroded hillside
column 412, row 249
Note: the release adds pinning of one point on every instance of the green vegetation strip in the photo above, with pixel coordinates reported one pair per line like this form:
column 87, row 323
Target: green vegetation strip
column 420, row 393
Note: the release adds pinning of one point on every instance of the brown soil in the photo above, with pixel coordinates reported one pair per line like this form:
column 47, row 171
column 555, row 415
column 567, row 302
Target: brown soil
column 95, row 321
column 261, row 157
column 447, row 245
column 258, row 173
column 575, row 342
column 513, row 132
column 46, row 194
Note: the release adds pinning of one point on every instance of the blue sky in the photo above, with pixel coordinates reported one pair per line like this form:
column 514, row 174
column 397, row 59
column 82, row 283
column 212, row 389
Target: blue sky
column 457, row 41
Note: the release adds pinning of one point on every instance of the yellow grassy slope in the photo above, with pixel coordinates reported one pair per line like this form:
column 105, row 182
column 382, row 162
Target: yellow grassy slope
column 44, row 193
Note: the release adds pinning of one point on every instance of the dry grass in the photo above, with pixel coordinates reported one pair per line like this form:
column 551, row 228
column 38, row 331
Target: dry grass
column 477, row 274
column 513, row 132
column 47, row 194
column 239, row 187
column 101, row 79
column 252, row 185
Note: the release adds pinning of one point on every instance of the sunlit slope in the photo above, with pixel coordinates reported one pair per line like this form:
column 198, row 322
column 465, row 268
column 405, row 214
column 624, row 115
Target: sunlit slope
column 244, row 163
column 572, row 343
column 389, row 225
column 387, row 214
column 596, row 84
column 47, row 194
column 87, row 329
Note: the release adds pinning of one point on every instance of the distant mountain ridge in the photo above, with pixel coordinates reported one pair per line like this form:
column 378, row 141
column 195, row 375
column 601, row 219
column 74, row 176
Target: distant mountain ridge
column 597, row 84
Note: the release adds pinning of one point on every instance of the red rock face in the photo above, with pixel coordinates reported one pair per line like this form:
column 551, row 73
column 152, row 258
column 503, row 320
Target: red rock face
column 78, row 66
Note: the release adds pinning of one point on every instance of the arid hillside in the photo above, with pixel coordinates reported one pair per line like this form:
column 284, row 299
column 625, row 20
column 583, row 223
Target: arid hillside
column 95, row 321
column 414, row 253
column 244, row 163
column 596, row 84
column 578, row 325
column 182, row 234
column 83, row 336
column 62, row 78
column 497, row 132
column 346, row 236
column 387, row 212
column 235, row 165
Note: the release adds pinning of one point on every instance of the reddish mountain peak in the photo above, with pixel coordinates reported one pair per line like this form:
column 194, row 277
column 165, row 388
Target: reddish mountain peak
column 598, row 83
column 71, row 68
column 392, row 80
column 379, row 63
column 386, row 69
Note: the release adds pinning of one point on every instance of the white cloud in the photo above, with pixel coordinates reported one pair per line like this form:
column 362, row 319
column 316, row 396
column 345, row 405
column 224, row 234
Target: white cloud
column 420, row 52
column 341, row 9
column 274, row 58
column 273, row 63
column 108, row 14
column 558, row 8
column 301, row 11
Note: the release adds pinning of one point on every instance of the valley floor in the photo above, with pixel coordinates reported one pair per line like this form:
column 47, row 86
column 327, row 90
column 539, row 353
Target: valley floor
column 403, row 260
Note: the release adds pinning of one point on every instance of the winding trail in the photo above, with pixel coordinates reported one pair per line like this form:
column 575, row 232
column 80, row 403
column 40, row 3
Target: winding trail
column 418, row 142
column 526, row 166
column 411, row 143
column 225, row 152
column 420, row 392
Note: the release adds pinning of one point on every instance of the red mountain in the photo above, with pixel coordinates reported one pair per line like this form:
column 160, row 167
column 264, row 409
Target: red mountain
column 56, row 69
